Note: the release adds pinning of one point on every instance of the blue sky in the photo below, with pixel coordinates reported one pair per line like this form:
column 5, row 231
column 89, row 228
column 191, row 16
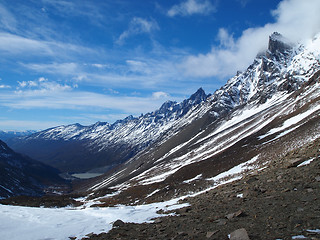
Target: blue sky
column 81, row 61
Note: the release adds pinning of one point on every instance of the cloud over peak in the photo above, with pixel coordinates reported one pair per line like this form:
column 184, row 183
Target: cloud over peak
column 296, row 20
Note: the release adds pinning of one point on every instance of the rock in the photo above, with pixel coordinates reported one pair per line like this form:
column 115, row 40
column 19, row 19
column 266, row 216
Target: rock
column 317, row 178
column 246, row 193
column 158, row 220
column 309, row 190
column 182, row 234
column 90, row 235
column 210, row 234
column 294, row 162
column 221, row 222
column 118, row 223
column 183, row 210
column 251, row 180
column 239, row 213
column 239, row 234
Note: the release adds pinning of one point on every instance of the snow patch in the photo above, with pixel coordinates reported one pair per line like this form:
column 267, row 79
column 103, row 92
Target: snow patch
column 193, row 179
column 299, row 237
column 291, row 121
column 307, row 162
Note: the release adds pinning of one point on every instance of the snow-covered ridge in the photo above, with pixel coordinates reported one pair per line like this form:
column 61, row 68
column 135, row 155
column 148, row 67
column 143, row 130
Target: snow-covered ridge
column 133, row 130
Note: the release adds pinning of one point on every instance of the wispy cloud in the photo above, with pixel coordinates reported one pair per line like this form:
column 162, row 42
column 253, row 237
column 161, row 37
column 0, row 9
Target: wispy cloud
column 7, row 19
column 295, row 19
column 191, row 7
column 10, row 124
column 68, row 68
column 17, row 46
column 243, row 2
column 57, row 96
column 76, row 8
column 13, row 44
column 138, row 26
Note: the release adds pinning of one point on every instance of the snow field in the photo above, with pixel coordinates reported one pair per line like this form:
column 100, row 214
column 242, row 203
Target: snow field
column 20, row 223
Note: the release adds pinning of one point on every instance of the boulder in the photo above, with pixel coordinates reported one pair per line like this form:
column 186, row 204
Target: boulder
column 239, row 234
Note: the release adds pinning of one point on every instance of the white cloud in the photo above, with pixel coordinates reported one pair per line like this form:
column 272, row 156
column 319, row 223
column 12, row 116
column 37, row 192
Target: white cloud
column 191, row 7
column 225, row 39
column 158, row 95
column 41, row 85
column 295, row 19
column 2, row 86
column 138, row 26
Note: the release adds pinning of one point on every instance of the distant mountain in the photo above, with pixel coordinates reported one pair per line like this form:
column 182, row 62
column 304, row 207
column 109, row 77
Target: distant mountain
column 99, row 147
column 5, row 135
column 261, row 114
column 20, row 175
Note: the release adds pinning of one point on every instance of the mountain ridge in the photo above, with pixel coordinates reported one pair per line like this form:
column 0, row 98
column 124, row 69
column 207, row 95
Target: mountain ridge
column 118, row 141
column 249, row 102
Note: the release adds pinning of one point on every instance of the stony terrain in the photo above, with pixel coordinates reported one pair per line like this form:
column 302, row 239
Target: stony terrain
column 281, row 201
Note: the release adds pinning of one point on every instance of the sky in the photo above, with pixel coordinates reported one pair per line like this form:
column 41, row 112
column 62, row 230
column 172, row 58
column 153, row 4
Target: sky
column 83, row 61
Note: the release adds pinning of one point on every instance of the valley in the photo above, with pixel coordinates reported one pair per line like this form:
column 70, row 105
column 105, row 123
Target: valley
column 245, row 157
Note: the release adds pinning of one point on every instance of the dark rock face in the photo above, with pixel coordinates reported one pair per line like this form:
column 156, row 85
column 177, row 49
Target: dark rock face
column 277, row 45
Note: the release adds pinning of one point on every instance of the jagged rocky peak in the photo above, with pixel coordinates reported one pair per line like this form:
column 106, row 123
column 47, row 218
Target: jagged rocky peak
column 171, row 106
column 167, row 106
column 198, row 96
column 278, row 44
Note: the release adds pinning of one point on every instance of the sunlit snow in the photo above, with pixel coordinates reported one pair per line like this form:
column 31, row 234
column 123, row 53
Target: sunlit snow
column 19, row 223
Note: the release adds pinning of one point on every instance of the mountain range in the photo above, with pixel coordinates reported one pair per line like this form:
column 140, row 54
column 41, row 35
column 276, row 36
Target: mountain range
column 264, row 112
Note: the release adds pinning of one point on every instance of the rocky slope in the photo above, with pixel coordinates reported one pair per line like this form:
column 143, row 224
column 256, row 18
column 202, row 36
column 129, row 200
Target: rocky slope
column 20, row 175
column 280, row 201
